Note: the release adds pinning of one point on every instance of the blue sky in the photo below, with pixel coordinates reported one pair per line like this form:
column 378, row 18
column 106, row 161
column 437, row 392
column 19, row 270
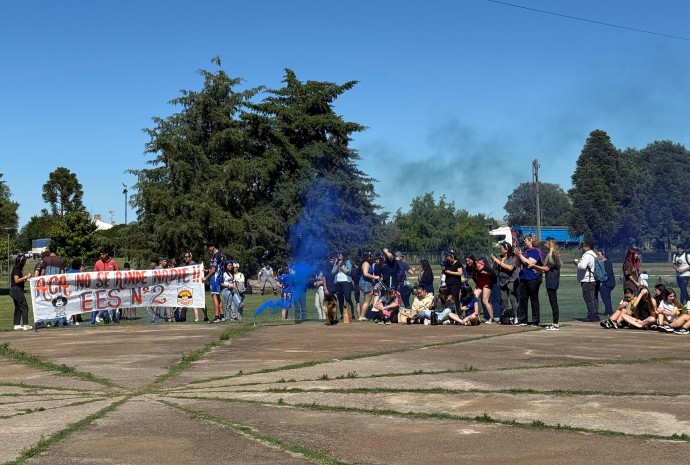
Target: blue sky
column 458, row 97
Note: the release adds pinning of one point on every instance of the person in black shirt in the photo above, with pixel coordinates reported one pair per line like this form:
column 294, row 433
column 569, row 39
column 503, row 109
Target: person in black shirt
column 453, row 273
column 389, row 270
column 21, row 308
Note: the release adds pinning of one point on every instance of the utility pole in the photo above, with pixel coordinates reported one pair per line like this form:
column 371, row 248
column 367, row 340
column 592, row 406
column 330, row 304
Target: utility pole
column 535, row 180
column 125, row 191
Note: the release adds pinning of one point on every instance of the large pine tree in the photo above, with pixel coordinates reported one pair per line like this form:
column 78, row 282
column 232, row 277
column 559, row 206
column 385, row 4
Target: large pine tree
column 241, row 173
column 596, row 193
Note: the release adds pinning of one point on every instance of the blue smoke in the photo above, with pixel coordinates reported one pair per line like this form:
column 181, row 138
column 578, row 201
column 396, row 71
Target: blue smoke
column 307, row 241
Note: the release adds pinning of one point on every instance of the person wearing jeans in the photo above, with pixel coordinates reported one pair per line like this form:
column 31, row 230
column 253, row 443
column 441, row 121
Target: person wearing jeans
column 530, row 280
column 681, row 263
column 605, row 287
column 342, row 268
column 585, row 275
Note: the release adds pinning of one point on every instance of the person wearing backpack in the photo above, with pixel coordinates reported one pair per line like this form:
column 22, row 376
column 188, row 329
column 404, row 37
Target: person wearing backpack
column 607, row 285
column 585, row 275
column 681, row 263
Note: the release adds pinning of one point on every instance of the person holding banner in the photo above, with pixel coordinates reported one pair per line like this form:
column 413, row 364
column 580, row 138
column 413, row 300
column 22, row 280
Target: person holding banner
column 189, row 261
column 215, row 278
column 106, row 263
column 21, row 308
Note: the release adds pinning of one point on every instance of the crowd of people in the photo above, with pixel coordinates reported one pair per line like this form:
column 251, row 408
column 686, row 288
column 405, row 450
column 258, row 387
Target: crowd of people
column 378, row 287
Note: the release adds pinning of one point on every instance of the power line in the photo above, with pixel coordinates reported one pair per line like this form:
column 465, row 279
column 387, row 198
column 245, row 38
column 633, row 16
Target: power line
column 590, row 20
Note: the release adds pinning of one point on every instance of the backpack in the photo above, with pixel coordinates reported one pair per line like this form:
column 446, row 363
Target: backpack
column 600, row 273
column 507, row 317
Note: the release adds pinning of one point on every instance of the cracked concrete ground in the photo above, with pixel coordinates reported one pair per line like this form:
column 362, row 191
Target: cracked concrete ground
column 358, row 393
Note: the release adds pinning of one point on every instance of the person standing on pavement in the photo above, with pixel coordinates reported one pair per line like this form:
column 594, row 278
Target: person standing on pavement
column 606, row 287
column 681, row 263
column 215, row 277
column 403, row 284
column 106, row 263
column 585, row 275
column 552, row 271
column 21, row 307
column 189, row 261
column 530, row 280
column 453, row 273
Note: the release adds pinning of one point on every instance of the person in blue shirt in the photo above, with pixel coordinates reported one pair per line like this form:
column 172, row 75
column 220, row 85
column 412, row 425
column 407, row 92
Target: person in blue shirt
column 285, row 283
column 215, row 278
column 530, row 280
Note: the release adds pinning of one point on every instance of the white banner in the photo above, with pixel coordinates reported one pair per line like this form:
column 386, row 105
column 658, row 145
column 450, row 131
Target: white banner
column 63, row 295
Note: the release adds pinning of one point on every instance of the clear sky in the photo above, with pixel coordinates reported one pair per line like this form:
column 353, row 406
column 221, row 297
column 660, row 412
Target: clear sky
column 458, row 96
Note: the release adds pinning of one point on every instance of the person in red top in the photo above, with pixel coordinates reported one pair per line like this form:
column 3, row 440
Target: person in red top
column 106, row 263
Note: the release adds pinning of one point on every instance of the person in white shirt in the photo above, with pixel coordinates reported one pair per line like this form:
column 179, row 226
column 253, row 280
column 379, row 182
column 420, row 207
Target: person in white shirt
column 585, row 274
column 681, row 263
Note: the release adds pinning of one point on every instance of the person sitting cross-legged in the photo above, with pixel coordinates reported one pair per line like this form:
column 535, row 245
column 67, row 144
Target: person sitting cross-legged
column 469, row 308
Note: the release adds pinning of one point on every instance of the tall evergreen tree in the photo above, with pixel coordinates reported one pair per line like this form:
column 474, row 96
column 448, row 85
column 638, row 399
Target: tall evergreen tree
column 63, row 192
column 663, row 184
column 240, row 173
column 298, row 122
column 596, row 191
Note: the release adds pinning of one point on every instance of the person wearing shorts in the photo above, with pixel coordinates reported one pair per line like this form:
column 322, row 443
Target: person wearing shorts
column 215, row 278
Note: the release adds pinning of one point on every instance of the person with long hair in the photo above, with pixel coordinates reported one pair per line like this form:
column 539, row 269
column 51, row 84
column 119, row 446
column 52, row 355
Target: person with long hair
column 469, row 308
column 631, row 269
column 507, row 270
column 552, row 270
column 367, row 280
column 485, row 278
column 426, row 276
column 342, row 269
column 670, row 316
column 530, row 280
column 21, row 307
column 606, row 287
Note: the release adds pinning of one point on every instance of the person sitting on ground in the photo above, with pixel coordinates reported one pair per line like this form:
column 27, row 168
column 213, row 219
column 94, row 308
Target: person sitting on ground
column 435, row 309
column 387, row 305
column 644, row 311
column 423, row 300
column 624, row 308
column 469, row 308
column 670, row 316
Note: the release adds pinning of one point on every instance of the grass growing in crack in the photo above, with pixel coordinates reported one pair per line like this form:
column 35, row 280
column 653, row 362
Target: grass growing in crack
column 349, row 375
column 18, row 356
column 195, row 355
column 46, row 442
column 313, row 455
column 323, row 377
column 312, row 363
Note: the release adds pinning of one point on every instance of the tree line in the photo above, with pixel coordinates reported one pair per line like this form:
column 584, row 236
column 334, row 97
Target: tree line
column 270, row 174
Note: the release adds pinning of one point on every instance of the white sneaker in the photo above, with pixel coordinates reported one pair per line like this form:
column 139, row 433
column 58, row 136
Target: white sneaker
column 552, row 328
column 488, row 322
column 98, row 319
column 27, row 327
column 76, row 323
column 18, row 327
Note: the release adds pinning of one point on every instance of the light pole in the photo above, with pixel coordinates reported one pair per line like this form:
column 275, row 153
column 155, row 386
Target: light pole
column 124, row 191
